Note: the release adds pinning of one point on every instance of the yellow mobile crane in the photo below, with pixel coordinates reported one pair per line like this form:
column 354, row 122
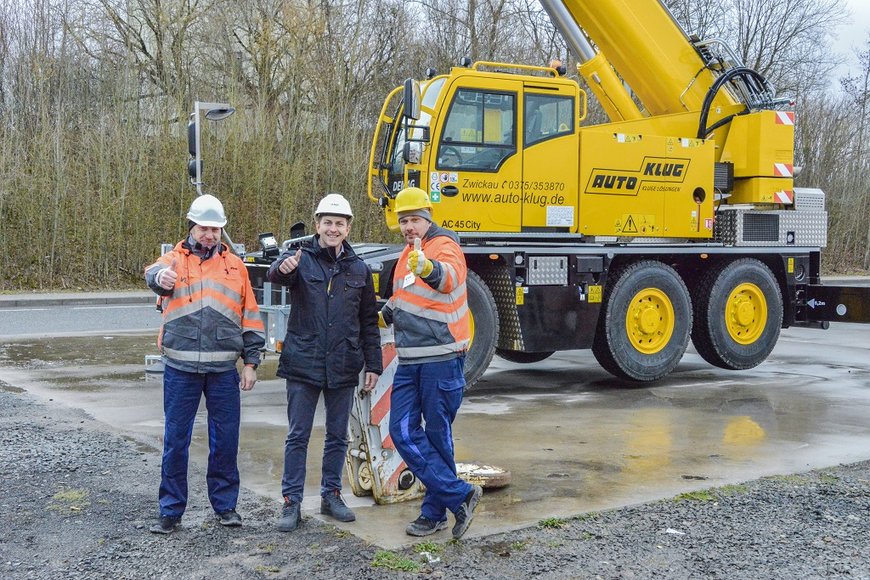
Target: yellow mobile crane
column 676, row 219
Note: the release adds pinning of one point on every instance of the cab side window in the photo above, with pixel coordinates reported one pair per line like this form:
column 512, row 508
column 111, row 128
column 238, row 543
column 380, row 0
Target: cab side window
column 547, row 116
column 480, row 132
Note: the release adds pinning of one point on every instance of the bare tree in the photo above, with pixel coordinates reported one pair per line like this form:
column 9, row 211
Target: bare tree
column 857, row 90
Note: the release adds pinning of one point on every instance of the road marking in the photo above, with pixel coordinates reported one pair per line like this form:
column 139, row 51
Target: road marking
column 106, row 307
column 24, row 309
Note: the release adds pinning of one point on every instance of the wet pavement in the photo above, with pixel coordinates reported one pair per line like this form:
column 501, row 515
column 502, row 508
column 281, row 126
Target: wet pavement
column 574, row 440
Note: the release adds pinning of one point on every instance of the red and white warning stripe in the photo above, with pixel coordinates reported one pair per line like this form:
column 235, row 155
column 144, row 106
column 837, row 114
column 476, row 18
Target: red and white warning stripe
column 784, row 118
column 784, row 196
column 783, row 170
column 387, row 466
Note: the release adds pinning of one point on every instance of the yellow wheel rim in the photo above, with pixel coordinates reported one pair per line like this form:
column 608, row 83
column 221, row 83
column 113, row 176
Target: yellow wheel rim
column 649, row 322
column 746, row 313
column 470, row 329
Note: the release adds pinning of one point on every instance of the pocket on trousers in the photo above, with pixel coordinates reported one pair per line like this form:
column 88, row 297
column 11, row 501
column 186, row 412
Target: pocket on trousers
column 451, row 384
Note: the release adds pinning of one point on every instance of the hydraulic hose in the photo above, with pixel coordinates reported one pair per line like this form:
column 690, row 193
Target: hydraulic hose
column 754, row 81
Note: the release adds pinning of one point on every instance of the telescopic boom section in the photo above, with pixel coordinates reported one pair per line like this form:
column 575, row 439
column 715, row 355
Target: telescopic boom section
column 646, row 46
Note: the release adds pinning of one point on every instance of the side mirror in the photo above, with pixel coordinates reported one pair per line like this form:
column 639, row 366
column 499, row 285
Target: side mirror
column 411, row 99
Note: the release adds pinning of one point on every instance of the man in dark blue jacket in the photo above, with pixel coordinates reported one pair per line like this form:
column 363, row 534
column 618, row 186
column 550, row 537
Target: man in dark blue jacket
column 332, row 335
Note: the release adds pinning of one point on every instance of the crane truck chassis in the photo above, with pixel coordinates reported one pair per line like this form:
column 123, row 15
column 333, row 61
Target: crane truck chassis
column 676, row 220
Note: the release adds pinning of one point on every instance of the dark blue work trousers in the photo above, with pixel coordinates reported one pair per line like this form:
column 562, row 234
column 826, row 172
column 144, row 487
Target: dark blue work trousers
column 431, row 392
column 301, row 404
column 182, row 392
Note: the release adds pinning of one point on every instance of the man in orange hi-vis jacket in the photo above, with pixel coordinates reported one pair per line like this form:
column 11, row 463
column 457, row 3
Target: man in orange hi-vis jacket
column 429, row 311
column 210, row 320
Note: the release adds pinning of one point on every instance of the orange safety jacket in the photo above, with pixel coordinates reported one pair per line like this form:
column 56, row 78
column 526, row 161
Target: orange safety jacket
column 430, row 315
column 210, row 317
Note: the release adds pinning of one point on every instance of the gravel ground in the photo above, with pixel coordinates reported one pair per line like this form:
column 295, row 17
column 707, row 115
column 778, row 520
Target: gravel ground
column 76, row 500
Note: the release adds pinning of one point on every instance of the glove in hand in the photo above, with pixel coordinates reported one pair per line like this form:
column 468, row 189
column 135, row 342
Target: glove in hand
column 418, row 264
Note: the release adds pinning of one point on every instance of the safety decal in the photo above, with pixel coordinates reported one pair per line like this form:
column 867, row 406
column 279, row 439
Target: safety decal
column 624, row 138
column 784, row 118
column 595, row 294
column 521, row 295
column 435, row 196
column 783, row 170
column 784, row 196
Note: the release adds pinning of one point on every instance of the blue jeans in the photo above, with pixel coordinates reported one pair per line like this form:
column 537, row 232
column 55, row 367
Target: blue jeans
column 182, row 392
column 301, row 404
column 430, row 392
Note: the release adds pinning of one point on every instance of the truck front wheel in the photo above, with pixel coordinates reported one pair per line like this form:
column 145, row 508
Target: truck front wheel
column 645, row 320
column 484, row 329
column 738, row 314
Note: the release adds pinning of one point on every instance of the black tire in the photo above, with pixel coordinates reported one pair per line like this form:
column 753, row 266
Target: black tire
column 484, row 329
column 518, row 356
column 738, row 314
column 649, row 348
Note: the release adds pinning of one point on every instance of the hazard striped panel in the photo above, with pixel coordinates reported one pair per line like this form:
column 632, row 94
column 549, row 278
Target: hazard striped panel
column 784, row 118
column 785, row 196
column 783, row 170
column 380, row 416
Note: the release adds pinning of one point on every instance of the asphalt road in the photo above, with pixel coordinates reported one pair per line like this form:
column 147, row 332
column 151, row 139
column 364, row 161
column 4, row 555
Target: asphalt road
column 37, row 320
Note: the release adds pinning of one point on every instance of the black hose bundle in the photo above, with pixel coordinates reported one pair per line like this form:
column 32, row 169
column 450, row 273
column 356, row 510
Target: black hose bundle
column 755, row 83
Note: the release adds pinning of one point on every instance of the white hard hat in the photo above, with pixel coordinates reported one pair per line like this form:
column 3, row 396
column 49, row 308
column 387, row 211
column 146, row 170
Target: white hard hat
column 207, row 210
column 334, row 204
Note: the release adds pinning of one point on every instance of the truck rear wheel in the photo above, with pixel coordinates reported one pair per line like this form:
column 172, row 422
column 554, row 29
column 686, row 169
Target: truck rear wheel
column 738, row 314
column 645, row 321
column 519, row 356
column 484, row 329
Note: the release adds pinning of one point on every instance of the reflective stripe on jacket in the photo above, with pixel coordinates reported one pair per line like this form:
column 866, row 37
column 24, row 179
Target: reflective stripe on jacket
column 430, row 315
column 210, row 318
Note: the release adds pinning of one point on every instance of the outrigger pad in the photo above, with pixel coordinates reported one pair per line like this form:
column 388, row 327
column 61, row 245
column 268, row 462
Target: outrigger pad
column 486, row 476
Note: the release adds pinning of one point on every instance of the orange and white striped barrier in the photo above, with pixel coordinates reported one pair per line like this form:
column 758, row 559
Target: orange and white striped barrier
column 374, row 466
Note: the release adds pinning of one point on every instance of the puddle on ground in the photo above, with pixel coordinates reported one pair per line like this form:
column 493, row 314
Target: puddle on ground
column 573, row 440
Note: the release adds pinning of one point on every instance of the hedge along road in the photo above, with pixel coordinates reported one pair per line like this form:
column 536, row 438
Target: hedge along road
column 574, row 441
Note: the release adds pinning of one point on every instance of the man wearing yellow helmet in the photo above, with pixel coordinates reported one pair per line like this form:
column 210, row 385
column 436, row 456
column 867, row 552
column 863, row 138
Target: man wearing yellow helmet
column 429, row 310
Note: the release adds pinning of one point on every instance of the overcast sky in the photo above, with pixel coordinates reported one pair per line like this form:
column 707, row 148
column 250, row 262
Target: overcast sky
column 851, row 35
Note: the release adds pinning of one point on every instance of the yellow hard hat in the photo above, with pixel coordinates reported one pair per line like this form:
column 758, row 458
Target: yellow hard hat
column 412, row 199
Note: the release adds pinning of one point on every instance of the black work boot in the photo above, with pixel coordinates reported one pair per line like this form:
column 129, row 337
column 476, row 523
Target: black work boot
column 465, row 513
column 231, row 519
column 290, row 516
column 165, row 525
column 333, row 505
column 423, row 526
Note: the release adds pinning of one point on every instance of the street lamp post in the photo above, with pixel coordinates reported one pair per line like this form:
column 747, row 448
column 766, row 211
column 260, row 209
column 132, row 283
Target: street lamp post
column 212, row 112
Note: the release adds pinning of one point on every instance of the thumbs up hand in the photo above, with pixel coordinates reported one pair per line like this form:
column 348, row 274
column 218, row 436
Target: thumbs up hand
column 418, row 264
column 290, row 263
column 167, row 277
